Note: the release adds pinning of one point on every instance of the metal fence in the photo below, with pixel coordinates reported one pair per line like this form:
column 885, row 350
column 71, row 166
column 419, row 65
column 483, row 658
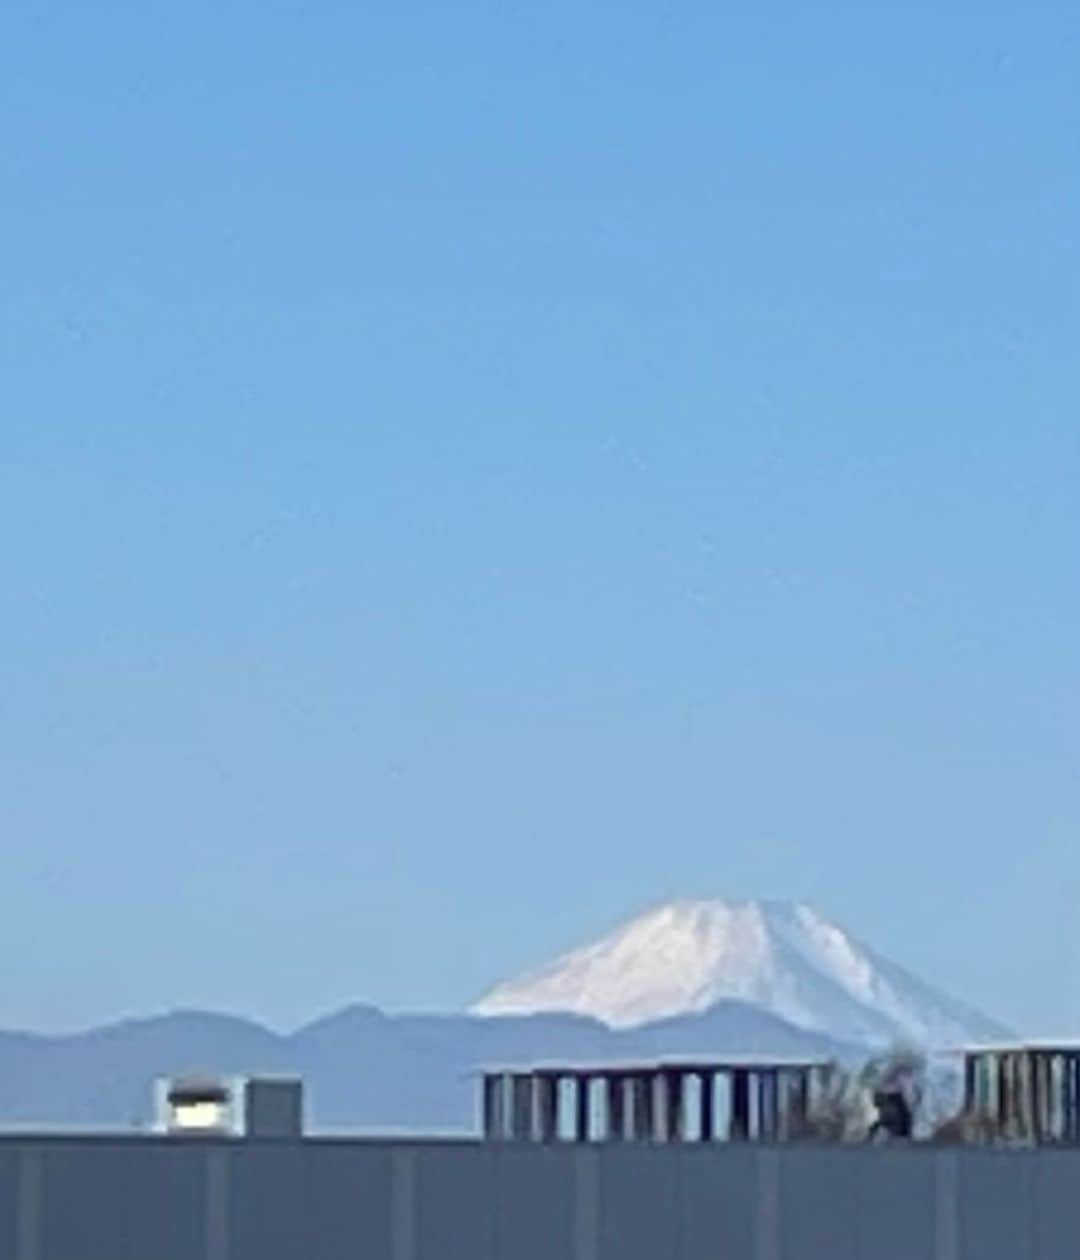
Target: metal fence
column 190, row 1199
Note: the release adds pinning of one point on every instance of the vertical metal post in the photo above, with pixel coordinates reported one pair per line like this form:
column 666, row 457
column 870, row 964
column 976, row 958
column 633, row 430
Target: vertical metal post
column 988, row 1084
column 582, row 1100
column 1018, row 1094
column 1073, row 1068
column 491, row 1107
column 970, row 1061
column 616, row 1108
column 644, row 1110
column 633, row 1108
column 673, row 1083
column 740, row 1105
column 547, row 1107
column 1039, row 1093
column 770, row 1122
column 799, row 1095
column 774, row 1105
column 1027, row 1094
column 652, row 1109
column 1054, row 1092
column 984, row 1094
column 521, row 1107
column 997, row 1082
column 1048, row 1097
column 1074, row 1098
column 662, row 1103
column 1001, row 1067
column 503, row 1109
column 708, row 1106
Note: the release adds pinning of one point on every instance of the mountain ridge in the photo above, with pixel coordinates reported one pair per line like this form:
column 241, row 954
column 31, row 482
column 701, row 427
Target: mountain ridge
column 363, row 1069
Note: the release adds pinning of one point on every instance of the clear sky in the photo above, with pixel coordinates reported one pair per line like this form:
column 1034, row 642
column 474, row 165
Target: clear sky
column 470, row 471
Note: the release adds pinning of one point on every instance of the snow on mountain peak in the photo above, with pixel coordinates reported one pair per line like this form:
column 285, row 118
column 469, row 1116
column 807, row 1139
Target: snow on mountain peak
column 787, row 958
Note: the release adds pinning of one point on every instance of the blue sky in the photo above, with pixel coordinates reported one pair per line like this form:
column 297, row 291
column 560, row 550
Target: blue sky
column 471, row 471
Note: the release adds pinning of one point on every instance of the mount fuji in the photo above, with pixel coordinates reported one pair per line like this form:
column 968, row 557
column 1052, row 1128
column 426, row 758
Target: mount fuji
column 785, row 959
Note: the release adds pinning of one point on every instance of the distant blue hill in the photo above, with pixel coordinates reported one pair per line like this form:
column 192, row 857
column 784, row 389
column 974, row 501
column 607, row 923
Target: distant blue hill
column 363, row 1069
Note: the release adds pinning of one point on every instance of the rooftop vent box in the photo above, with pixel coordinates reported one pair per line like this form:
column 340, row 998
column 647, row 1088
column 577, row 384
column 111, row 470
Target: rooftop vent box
column 273, row 1107
column 218, row 1106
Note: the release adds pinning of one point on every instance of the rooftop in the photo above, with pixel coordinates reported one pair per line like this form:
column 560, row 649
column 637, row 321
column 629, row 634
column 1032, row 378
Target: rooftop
column 1049, row 1046
column 681, row 1063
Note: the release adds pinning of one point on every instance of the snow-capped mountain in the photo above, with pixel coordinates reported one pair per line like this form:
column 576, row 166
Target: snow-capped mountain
column 785, row 958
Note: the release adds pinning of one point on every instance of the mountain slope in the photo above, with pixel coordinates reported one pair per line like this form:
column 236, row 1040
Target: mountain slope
column 783, row 958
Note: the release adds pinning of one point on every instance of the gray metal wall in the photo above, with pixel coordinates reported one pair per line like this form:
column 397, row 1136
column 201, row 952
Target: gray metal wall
column 149, row 1199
